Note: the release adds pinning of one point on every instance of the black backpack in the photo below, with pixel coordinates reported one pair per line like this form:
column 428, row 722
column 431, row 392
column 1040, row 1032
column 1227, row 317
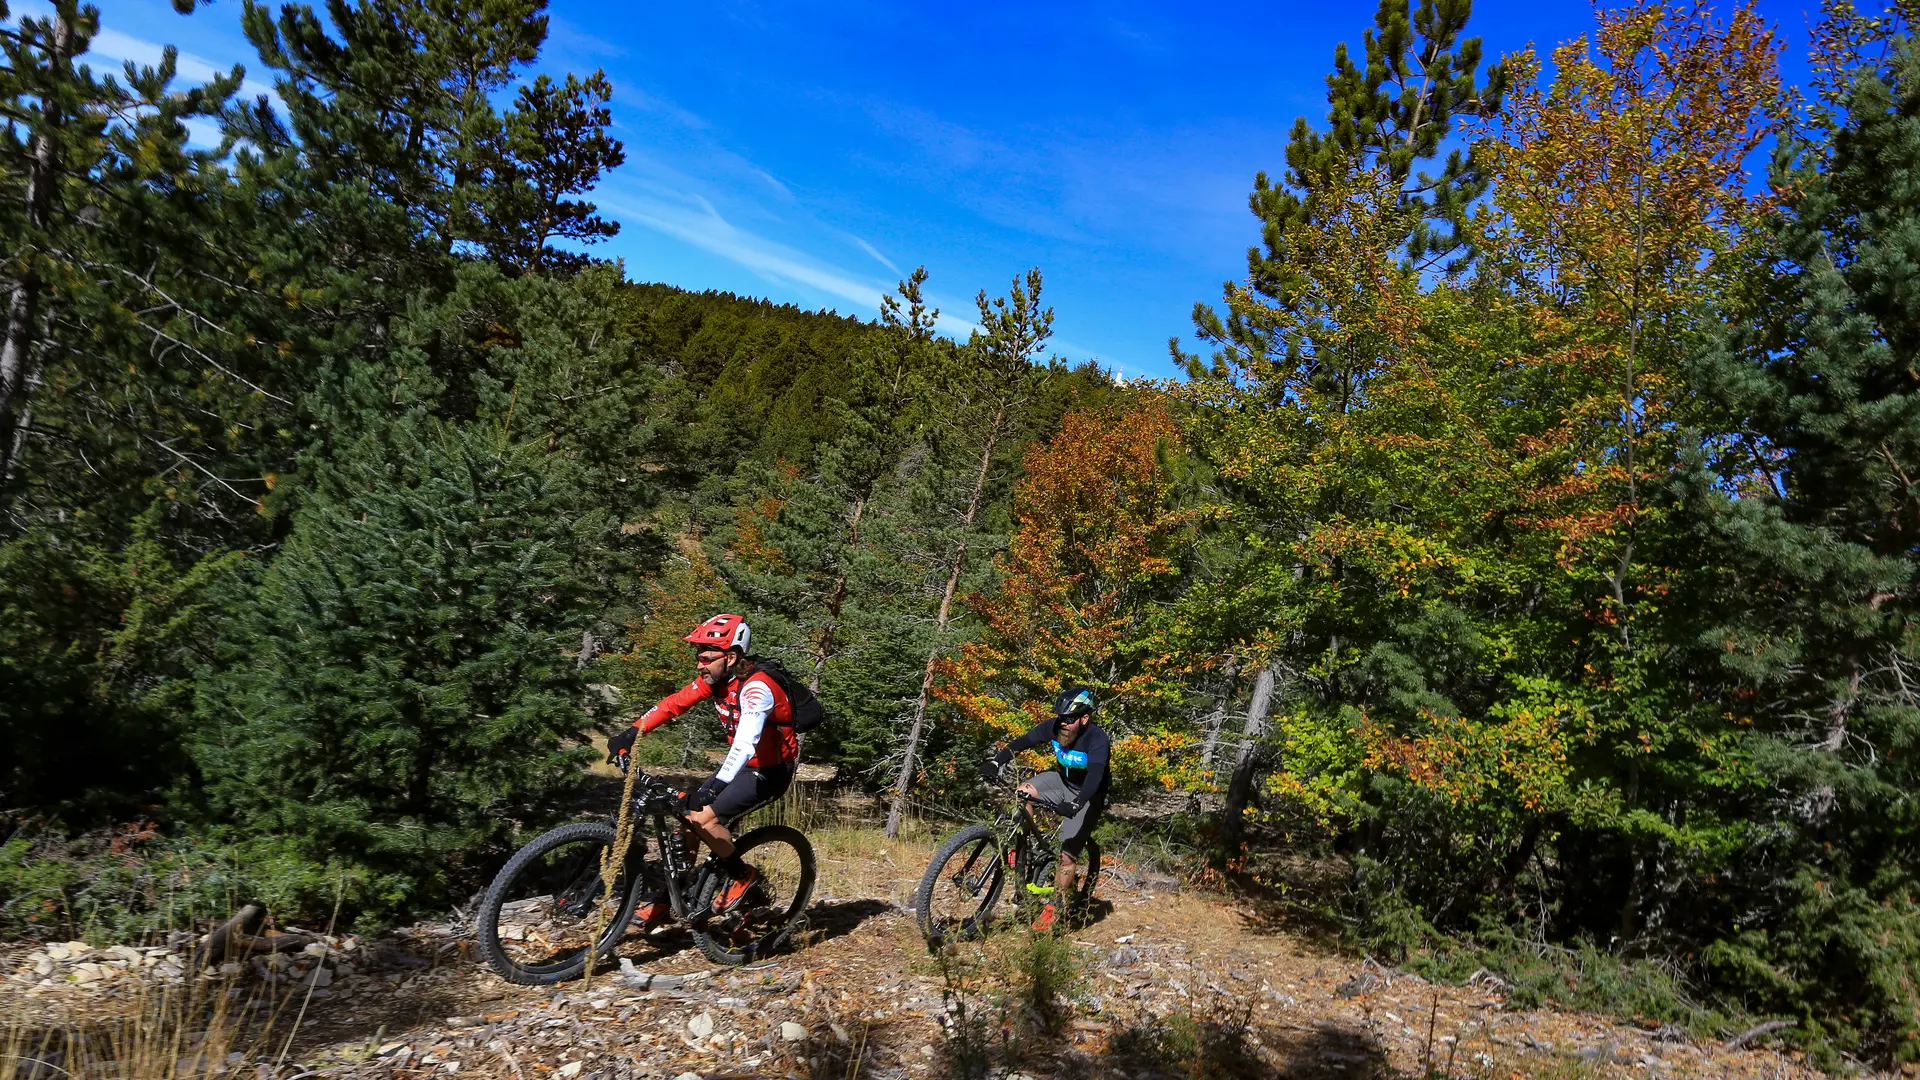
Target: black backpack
column 805, row 705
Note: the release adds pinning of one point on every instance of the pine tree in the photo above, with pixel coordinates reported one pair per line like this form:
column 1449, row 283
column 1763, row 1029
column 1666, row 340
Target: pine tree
column 105, row 210
column 993, row 384
column 1817, row 507
column 397, row 690
column 799, row 538
column 1420, row 75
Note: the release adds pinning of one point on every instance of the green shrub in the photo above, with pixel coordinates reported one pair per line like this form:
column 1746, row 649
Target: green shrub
column 131, row 884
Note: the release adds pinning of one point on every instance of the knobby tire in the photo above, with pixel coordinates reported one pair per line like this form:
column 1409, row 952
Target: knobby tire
column 499, row 893
column 735, row 948
column 974, row 925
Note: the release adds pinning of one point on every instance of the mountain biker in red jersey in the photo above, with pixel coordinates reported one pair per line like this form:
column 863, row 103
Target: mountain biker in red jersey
column 762, row 754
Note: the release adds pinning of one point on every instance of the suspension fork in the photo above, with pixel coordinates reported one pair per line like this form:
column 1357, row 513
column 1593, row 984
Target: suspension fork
column 676, row 861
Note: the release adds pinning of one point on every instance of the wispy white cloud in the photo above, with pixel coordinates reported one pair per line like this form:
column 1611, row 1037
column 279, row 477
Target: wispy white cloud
column 875, row 252
column 949, row 144
column 652, row 103
column 774, row 183
column 692, row 218
column 115, row 45
column 111, row 44
column 567, row 36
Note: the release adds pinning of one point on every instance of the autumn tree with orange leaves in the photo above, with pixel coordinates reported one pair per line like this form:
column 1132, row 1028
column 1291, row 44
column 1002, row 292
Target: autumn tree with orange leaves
column 1099, row 544
column 1460, row 502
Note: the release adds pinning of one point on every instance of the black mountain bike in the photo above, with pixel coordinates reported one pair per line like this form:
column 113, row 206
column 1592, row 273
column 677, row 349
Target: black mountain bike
column 959, row 895
column 541, row 915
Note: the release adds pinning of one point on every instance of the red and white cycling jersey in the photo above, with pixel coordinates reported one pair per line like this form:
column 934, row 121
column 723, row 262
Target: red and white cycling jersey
column 746, row 710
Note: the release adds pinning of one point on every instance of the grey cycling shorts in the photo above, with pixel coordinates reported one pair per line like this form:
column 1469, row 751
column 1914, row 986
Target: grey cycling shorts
column 1055, row 795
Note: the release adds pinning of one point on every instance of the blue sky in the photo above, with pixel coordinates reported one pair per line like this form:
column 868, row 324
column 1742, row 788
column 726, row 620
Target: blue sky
column 814, row 153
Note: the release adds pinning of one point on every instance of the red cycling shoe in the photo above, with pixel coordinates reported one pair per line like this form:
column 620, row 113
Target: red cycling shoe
column 729, row 896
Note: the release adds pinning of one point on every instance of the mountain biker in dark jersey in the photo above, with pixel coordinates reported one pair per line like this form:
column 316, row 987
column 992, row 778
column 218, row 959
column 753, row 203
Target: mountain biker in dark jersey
column 1078, row 792
column 762, row 755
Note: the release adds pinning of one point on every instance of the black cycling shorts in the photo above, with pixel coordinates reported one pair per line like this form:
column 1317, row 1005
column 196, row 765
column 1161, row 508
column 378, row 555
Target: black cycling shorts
column 750, row 790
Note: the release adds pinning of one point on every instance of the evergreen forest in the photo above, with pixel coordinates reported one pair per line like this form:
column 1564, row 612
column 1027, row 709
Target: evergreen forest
column 1525, row 571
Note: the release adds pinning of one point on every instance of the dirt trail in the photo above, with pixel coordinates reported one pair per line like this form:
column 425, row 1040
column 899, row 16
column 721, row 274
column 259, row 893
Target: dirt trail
column 1171, row 983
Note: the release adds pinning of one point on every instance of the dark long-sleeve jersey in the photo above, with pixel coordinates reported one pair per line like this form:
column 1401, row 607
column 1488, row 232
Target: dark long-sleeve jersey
column 1084, row 766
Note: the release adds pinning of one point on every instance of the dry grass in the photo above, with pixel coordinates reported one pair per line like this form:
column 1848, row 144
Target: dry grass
column 857, row 860
column 196, row 1027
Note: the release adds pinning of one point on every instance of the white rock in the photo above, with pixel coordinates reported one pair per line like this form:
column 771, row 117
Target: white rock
column 689, row 1076
column 700, row 1026
column 600, row 1003
column 570, row 1069
column 315, row 948
column 792, row 1032
column 43, row 966
column 90, row 973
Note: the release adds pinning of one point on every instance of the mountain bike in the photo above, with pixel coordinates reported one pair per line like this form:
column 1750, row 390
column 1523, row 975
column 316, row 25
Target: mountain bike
column 961, row 890
column 539, row 920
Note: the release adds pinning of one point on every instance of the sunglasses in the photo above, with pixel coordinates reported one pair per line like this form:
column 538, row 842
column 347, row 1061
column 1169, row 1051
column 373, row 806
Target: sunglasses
column 708, row 659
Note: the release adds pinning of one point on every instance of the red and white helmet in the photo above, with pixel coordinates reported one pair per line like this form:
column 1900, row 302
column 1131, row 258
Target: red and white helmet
column 721, row 632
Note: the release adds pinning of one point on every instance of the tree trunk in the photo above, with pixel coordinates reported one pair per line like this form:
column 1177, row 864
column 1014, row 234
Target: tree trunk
column 1240, row 788
column 959, row 563
column 1217, row 719
column 1834, row 740
column 836, row 598
column 17, row 348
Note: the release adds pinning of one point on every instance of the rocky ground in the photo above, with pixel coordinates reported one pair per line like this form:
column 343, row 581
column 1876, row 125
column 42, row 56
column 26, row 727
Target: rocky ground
column 1166, row 983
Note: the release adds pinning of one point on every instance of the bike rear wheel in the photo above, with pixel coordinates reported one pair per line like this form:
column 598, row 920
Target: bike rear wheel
column 961, row 886
column 1038, row 883
column 537, row 922
column 774, row 907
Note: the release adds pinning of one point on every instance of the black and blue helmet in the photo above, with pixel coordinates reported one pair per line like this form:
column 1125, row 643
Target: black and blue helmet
column 1073, row 701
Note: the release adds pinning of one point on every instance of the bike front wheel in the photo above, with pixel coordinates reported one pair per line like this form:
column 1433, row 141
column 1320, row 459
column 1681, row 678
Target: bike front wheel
column 540, row 919
column 774, row 906
column 961, row 886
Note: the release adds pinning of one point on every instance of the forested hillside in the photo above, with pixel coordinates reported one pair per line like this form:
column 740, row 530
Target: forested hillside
column 1529, row 552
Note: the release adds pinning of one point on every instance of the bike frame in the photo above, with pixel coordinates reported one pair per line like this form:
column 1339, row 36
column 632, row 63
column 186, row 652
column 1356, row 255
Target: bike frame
column 683, row 870
column 1021, row 835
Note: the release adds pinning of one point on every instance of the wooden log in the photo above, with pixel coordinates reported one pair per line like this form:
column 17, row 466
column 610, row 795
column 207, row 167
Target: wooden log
column 216, row 947
column 1758, row 1030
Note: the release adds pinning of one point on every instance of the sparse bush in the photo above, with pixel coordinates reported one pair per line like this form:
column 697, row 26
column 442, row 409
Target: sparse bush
column 1047, row 975
column 1213, row 1046
column 974, row 1026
